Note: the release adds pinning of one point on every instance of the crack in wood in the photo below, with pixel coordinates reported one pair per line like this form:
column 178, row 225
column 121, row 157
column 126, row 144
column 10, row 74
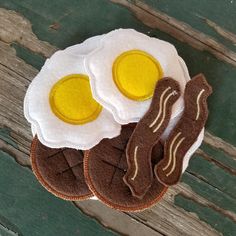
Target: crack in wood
column 20, row 157
column 200, row 177
column 142, row 221
column 219, row 143
column 115, row 220
column 181, row 31
column 15, row 72
column 9, row 231
column 219, row 164
column 221, row 31
column 8, row 227
column 206, row 203
column 15, row 28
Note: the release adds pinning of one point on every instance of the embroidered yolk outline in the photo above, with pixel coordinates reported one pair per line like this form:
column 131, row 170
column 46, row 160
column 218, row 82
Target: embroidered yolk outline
column 135, row 74
column 71, row 100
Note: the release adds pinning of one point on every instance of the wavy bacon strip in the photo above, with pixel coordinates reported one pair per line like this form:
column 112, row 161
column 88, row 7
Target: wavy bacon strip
column 169, row 169
column 147, row 133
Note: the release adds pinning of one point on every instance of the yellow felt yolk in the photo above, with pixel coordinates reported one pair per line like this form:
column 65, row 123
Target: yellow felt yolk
column 135, row 73
column 71, row 100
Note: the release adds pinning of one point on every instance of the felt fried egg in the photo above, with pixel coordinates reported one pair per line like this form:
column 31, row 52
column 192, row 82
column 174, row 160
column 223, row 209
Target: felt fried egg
column 125, row 68
column 60, row 106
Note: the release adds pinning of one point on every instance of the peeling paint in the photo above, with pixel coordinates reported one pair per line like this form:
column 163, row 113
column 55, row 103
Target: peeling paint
column 5, row 134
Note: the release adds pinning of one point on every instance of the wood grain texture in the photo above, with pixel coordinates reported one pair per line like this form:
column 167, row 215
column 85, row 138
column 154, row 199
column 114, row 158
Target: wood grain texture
column 159, row 20
column 198, row 14
column 203, row 203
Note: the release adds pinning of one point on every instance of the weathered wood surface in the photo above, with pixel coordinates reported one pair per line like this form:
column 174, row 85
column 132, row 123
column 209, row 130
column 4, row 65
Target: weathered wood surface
column 204, row 203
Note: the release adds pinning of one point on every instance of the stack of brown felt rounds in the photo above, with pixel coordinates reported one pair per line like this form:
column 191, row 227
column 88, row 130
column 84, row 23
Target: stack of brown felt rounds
column 117, row 118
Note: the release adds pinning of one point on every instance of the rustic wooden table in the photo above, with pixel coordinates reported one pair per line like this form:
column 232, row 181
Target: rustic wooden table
column 204, row 203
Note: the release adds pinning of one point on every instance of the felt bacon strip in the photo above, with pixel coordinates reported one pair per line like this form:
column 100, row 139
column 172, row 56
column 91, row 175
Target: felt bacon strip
column 139, row 176
column 185, row 133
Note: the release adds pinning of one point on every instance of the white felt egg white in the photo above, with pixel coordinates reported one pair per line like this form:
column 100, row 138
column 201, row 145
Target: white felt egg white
column 55, row 96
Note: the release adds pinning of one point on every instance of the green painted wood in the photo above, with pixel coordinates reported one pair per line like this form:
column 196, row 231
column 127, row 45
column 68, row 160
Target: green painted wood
column 213, row 175
column 214, row 184
column 80, row 20
column 195, row 13
column 6, row 232
column 29, row 57
column 220, row 156
column 209, row 192
column 7, row 228
column 218, row 221
column 26, row 208
column 5, row 134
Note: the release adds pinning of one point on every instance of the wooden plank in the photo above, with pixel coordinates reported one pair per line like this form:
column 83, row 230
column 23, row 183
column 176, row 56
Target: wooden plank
column 204, row 213
column 214, row 174
column 198, row 193
column 119, row 221
column 212, row 17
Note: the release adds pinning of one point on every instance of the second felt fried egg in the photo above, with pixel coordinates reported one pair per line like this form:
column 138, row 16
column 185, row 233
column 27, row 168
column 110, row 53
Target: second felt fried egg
column 124, row 70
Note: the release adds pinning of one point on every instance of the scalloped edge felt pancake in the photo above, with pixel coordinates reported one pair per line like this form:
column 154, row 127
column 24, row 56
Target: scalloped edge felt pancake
column 47, row 185
column 122, row 206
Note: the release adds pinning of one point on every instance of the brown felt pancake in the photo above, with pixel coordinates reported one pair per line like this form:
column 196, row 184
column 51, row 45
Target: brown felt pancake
column 105, row 166
column 60, row 171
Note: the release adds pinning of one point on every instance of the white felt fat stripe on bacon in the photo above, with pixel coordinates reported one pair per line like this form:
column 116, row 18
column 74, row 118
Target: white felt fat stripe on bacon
column 160, row 110
column 174, row 157
column 170, row 151
column 198, row 105
column 135, row 163
column 164, row 111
